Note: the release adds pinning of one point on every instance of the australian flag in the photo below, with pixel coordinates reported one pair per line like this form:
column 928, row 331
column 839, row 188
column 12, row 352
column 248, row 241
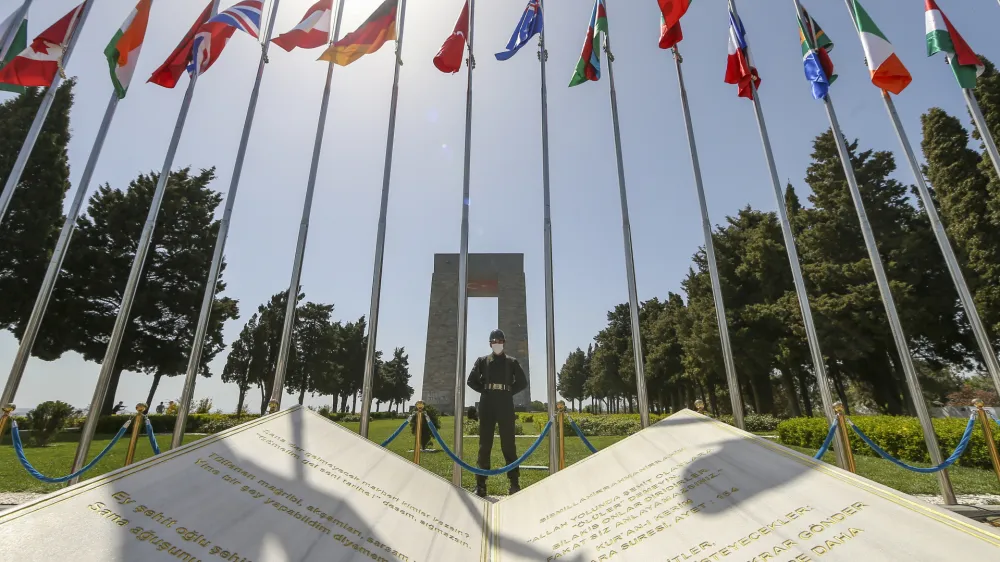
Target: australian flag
column 529, row 26
column 213, row 35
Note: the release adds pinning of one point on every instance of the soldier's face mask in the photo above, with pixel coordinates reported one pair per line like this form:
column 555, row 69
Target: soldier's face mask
column 497, row 347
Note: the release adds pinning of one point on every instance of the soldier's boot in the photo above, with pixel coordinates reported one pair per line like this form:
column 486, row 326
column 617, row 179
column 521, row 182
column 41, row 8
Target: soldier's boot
column 481, row 486
column 515, row 486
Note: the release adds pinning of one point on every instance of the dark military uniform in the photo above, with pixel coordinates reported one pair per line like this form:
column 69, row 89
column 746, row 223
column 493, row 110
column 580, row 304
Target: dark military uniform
column 497, row 378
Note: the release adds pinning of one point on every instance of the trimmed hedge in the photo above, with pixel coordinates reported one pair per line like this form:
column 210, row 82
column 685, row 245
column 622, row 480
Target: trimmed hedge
column 899, row 436
column 756, row 423
column 471, row 427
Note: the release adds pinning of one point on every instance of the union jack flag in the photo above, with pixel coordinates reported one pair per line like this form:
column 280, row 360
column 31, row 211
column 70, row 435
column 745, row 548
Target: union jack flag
column 213, row 35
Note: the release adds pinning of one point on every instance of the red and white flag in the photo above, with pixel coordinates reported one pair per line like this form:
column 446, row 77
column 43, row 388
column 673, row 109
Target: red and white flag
column 313, row 31
column 169, row 73
column 37, row 65
column 449, row 58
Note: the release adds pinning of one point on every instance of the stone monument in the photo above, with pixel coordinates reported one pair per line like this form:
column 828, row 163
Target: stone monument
column 490, row 275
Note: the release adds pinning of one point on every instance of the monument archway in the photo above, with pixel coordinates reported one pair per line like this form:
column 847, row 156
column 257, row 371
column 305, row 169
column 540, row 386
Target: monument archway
column 490, row 275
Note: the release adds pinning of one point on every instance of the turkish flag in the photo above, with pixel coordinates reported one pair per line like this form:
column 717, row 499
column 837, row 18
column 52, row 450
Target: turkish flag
column 449, row 58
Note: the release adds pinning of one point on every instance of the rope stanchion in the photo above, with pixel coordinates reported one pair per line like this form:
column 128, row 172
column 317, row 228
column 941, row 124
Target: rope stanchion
column 962, row 445
column 991, row 445
column 152, row 438
column 496, row 471
column 561, row 431
column 827, row 442
column 19, row 450
column 140, row 413
column 7, row 415
column 418, row 433
column 845, row 436
column 396, row 433
column 579, row 433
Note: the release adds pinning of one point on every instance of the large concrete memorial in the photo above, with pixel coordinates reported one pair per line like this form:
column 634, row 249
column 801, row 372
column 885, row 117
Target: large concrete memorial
column 294, row 486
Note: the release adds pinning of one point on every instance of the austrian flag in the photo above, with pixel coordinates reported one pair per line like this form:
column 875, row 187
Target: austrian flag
column 38, row 63
column 313, row 31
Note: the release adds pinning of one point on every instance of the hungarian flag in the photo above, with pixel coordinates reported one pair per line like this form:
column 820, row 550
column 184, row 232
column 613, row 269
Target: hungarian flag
column 589, row 67
column 38, row 63
column 123, row 50
column 313, row 31
column 449, row 58
column 171, row 70
column 18, row 44
column 943, row 37
column 887, row 70
column 670, row 21
column 815, row 56
column 738, row 69
column 367, row 38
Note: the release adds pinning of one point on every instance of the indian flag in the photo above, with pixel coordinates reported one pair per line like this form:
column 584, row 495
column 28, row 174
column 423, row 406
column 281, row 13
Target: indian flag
column 942, row 37
column 123, row 50
column 886, row 69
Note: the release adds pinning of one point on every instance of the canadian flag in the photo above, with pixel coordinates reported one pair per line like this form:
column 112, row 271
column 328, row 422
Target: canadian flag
column 313, row 31
column 37, row 65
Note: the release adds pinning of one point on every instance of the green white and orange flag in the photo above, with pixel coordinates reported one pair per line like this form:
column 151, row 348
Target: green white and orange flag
column 888, row 72
column 943, row 37
column 123, row 50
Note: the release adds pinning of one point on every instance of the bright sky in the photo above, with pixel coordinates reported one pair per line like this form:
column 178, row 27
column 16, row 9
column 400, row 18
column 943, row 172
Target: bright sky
column 506, row 210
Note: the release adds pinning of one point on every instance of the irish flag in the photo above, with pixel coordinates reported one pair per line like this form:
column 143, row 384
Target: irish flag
column 943, row 37
column 123, row 50
column 887, row 70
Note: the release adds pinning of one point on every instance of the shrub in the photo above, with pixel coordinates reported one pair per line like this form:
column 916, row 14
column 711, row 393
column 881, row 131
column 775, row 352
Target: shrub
column 899, row 436
column 471, row 427
column 754, row 423
column 425, row 433
column 602, row 424
column 203, row 406
column 48, row 419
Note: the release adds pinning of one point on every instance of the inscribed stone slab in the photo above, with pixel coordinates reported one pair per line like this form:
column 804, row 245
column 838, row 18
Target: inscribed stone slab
column 291, row 486
column 690, row 489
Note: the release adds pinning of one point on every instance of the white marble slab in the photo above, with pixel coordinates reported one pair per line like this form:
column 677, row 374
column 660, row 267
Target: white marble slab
column 690, row 489
column 288, row 487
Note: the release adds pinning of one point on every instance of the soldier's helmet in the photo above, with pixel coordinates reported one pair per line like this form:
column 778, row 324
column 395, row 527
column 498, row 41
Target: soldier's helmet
column 497, row 335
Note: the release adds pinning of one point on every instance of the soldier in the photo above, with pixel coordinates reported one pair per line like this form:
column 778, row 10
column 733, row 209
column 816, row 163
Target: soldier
column 497, row 377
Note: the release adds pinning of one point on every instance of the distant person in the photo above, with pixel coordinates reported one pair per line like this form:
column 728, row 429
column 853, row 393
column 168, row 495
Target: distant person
column 497, row 377
column 160, row 407
column 118, row 407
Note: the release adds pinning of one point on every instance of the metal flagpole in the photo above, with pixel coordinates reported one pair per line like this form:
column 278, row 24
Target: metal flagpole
column 550, row 312
column 366, row 389
column 883, row 283
column 633, row 299
column 8, row 35
column 134, row 276
column 55, row 263
column 43, row 111
column 964, row 294
column 984, row 131
column 819, row 366
column 713, row 268
column 463, row 265
column 300, row 245
column 204, row 315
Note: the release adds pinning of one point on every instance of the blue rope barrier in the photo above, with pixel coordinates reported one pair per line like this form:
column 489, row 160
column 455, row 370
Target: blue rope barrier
column 396, row 433
column 19, row 450
column 496, row 471
column 827, row 442
column 579, row 433
column 966, row 437
column 152, row 438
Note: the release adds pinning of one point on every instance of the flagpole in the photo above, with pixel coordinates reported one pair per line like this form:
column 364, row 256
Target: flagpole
column 9, row 34
column 366, row 389
column 463, row 264
column 43, row 111
column 812, row 338
column 964, row 294
column 984, row 131
column 300, row 245
column 125, row 308
column 55, row 263
column 550, row 312
column 713, row 268
column 883, row 284
column 204, row 315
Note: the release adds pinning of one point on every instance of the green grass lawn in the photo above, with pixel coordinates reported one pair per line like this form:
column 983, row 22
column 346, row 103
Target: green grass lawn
column 55, row 460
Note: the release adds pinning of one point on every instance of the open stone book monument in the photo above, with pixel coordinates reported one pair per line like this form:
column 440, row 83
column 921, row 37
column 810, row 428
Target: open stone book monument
column 295, row 486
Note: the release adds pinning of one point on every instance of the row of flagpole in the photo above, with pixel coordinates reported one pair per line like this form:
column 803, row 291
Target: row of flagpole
column 732, row 379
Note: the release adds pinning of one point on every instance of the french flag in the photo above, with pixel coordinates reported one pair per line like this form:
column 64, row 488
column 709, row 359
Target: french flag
column 738, row 69
column 213, row 35
column 313, row 31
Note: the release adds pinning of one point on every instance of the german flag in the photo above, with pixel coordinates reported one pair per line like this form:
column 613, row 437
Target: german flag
column 368, row 38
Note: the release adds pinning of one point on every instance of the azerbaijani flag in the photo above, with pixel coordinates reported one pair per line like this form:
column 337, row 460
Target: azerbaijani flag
column 671, row 12
column 943, row 37
column 123, row 50
column 589, row 67
column 367, row 38
column 888, row 72
column 815, row 56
